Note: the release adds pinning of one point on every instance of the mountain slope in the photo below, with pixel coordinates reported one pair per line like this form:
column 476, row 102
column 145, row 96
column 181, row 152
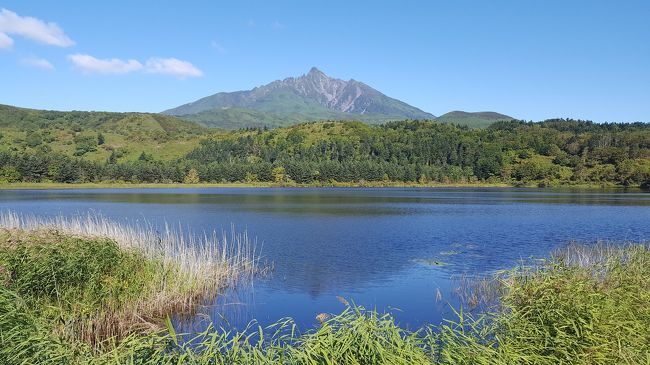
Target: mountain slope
column 236, row 118
column 78, row 133
column 312, row 96
column 123, row 123
column 473, row 120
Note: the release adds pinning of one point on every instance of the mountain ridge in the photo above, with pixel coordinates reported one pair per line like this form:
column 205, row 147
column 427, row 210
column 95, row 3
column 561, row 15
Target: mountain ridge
column 313, row 95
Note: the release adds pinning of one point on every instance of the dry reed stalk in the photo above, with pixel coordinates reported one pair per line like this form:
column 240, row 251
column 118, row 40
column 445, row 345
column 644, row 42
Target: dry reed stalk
column 195, row 268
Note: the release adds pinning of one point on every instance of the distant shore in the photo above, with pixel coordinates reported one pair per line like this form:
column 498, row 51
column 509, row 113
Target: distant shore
column 126, row 185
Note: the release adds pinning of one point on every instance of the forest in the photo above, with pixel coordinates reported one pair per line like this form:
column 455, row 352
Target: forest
column 549, row 153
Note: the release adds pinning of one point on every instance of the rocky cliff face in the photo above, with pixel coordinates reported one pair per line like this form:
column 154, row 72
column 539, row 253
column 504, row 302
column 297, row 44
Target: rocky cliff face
column 314, row 85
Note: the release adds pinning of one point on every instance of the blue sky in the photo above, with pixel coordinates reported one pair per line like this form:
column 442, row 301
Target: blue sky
column 529, row 59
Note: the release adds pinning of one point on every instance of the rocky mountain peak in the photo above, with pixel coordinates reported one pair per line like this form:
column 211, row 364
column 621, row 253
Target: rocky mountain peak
column 310, row 92
column 317, row 76
column 316, row 72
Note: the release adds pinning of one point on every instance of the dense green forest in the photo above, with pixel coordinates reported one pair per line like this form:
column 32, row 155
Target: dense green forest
column 553, row 152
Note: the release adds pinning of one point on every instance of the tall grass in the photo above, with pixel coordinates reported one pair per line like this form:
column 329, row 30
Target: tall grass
column 104, row 280
column 584, row 305
column 212, row 255
column 588, row 304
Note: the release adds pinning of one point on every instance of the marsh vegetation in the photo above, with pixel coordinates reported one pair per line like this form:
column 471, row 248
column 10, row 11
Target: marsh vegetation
column 96, row 281
column 62, row 281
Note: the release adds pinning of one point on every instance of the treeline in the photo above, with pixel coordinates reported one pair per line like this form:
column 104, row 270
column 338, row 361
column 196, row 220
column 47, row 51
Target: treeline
column 47, row 167
column 553, row 152
column 40, row 167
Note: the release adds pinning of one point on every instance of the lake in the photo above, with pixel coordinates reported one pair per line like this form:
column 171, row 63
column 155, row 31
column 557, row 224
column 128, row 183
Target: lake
column 395, row 249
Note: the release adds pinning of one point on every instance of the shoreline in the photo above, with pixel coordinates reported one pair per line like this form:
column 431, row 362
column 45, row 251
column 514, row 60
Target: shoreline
column 124, row 185
column 532, row 313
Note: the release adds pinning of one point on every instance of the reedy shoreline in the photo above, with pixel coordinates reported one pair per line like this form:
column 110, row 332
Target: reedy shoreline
column 141, row 275
column 586, row 304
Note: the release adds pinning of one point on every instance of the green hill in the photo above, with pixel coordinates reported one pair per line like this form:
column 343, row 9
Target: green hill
column 472, row 120
column 96, row 135
column 47, row 146
column 123, row 123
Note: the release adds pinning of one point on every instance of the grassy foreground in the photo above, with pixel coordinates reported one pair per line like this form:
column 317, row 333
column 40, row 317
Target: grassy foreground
column 90, row 282
column 585, row 305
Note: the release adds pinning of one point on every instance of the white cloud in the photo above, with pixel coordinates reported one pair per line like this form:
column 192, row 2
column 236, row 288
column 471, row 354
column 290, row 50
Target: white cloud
column 172, row 66
column 5, row 41
column 164, row 66
column 31, row 28
column 89, row 64
column 41, row 63
column 276, row 25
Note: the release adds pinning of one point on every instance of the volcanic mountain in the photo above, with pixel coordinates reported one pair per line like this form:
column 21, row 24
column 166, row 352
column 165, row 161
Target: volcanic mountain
column 313, row 96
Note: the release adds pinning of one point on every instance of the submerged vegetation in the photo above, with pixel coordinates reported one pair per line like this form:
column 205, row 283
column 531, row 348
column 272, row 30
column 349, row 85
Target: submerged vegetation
column 584, row 305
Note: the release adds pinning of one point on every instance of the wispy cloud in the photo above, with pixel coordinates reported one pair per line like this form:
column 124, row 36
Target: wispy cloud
column 218, row 47
column 276, row 25
column 30, row 28
column 164, row 66
column 89, row 64
column 250, row 23
column 172, row 66
column 37, row 62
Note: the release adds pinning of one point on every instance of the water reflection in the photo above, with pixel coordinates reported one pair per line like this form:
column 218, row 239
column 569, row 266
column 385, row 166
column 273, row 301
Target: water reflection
column 379, row 247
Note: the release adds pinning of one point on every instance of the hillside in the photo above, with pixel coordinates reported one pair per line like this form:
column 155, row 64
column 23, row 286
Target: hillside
column 96, row 135
column 553, row 152
column 472, row 120
column 237, row 118
column 313, row 96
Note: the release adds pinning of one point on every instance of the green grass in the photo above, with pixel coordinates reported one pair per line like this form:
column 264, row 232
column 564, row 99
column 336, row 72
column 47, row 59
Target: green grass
column 127, row 148
column 74, row 271
column 90, row 286
column 91, row 283
column 585, row 305
column 588, row 305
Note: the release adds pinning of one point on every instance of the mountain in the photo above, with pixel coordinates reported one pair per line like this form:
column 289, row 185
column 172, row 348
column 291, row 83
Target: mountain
column 313, row 96
column 474, row 120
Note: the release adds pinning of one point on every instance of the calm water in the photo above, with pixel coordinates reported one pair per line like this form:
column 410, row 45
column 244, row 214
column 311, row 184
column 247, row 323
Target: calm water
column 370, row 246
